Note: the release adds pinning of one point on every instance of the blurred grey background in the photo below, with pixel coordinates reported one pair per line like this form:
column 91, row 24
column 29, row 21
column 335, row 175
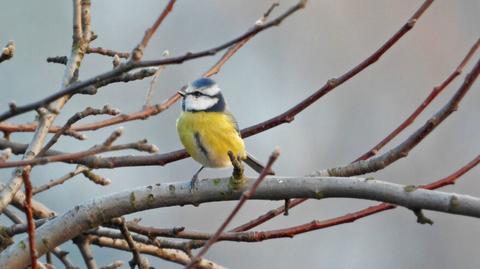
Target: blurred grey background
column 271, row 73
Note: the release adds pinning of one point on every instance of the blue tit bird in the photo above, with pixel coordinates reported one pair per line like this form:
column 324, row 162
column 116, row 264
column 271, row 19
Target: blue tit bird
column 208, row 130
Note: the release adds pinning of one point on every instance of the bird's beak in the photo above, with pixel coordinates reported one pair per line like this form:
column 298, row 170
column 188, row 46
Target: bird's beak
column 181, row 93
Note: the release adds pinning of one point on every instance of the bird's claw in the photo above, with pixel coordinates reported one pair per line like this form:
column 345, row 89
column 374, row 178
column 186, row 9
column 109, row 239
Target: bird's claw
column 194, row 183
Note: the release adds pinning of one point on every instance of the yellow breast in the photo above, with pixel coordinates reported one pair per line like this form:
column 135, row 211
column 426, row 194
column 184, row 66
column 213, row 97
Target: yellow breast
column 208, row 136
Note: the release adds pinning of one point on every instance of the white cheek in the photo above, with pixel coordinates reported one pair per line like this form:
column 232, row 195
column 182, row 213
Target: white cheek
column 199, row 103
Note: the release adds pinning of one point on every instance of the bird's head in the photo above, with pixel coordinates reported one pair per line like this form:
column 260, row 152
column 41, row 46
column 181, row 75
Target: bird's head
column 203, row 95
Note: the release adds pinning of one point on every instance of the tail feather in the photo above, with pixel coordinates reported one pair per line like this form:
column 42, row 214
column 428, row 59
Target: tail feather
column 255, row 164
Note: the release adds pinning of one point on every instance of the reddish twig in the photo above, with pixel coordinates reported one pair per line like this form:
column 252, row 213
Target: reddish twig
column 239, row 234
column 232, row 50
column 78, row 116
column 75, row 88
column 280, row 210
column 146, row 111
column 245, row 196
column 106, row 146
column 29, row 213
column 351, row 217
column 435, row 92
column 289, row 115
column 137, row 53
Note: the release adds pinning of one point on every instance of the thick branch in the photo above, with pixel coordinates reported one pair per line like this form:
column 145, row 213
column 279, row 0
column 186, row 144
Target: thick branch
column 46, row 117
column 98, row 211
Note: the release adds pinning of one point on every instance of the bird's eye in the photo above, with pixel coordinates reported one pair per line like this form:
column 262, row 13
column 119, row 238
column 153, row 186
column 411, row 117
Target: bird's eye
column 196, row 94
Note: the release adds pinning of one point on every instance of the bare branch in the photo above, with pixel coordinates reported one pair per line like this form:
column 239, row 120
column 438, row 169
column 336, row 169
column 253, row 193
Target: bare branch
column 137, row 259
column 245, row 196
column 78, row 116
column 137, row 52
column 275, row 212
column 54, row 182
column 107, row 52
column 173, row 255
column 435, row 92
column 95, row 212
column 107, row 146
column 146, row 111
column 84, row 246
column 30, row 222
column 122, row 68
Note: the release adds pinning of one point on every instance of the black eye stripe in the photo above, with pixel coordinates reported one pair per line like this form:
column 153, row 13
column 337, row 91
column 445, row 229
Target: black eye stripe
column 197, row 94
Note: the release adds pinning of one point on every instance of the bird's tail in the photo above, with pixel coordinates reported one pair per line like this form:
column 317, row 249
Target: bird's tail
column 255, row 164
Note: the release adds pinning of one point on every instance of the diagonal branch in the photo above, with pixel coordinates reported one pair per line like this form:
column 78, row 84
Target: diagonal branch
column 122, row 68
column 245, row 196
column 46, row 118
column 434, row 93
column 137, row 52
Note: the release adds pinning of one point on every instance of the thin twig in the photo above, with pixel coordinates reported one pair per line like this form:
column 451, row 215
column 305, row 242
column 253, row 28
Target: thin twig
column 434, row 93
column 122, row 68
column 108, row 52
column 12, row 216
column 149, row 94
column 285, row 117
column 172, row 255
column 137, row 259
column 146, row 111
column 107, row 146
column 400, row 150
column 29, row 214
column 84, row 246
column 137, row 52
column 54, row 182
column 245, row 196
column 47, row 116
column 351, row 217
column 106, row 110
column 63, row 257
column 145, row 239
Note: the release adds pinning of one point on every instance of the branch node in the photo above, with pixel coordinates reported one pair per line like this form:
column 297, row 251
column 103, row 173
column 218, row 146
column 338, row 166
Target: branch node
column 421, row 218
column 8, row 51
column 12, row 106
column 97, row 179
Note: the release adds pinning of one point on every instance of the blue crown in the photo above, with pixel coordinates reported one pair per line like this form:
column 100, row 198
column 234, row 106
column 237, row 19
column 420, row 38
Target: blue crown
column 203, row 83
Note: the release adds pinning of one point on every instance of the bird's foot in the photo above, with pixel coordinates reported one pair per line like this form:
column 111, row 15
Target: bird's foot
column 194, row 182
